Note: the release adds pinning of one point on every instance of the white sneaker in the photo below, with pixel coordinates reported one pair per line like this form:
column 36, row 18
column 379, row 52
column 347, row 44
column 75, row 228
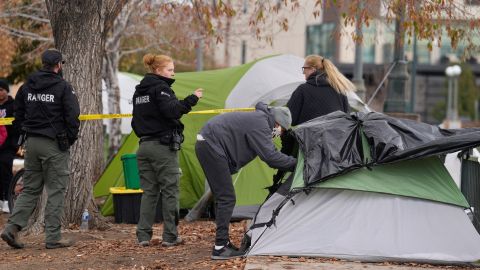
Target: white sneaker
column 5, row 208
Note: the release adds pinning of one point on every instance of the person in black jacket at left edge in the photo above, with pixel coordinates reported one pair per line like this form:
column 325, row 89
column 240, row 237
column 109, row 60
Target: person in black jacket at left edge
column 156, row 121
column 8, row 148
column 46, row 110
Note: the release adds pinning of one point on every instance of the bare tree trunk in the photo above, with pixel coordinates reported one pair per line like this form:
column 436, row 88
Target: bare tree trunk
column 79, row 30
column 226, row 51
column 110, row 76
column 110, row 73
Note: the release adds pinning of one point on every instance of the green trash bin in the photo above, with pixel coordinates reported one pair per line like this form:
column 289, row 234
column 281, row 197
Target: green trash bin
column 130, row 171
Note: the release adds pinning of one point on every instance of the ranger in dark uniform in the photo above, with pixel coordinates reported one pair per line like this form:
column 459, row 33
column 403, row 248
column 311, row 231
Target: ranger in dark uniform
column 47, row 113
column 156, row 121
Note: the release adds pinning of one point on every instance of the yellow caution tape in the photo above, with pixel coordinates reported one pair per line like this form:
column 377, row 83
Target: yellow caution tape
column 124, row 190
column 84, row 117
column 6, row 121
column 223, row 111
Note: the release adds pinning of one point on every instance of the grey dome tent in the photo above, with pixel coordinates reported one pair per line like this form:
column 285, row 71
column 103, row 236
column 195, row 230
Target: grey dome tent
column 370, row 187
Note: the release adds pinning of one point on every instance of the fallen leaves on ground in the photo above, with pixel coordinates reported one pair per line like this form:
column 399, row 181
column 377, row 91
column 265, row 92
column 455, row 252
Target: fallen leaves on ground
column 117, row 248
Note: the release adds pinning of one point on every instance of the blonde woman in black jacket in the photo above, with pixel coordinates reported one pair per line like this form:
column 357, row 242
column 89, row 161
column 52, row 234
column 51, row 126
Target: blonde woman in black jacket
column 324, row 91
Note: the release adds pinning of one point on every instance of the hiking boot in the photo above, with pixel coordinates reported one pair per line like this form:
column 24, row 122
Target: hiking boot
column 145, row 243
column 60, row 244
column 10, row 235
column 178, row 241
column 226, row 252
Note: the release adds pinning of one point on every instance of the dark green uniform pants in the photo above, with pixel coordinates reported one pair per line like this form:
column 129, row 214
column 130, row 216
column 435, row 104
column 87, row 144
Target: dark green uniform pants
column 159, row 173
column 45, row 165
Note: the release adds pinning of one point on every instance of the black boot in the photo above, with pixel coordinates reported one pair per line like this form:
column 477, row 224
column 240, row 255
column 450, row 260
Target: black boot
column 10, row 235
column 60, row 244
column 228, row 251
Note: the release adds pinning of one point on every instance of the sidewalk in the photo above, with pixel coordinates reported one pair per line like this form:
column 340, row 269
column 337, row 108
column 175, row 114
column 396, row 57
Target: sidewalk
column 282, row 263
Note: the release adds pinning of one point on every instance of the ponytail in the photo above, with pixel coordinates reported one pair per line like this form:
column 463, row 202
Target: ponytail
column 334, row 77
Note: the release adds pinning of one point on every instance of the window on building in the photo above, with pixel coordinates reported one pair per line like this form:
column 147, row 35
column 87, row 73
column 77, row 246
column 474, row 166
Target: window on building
column 244, row 52
column 423, row 53
column 387, row 32
column 461, row 52
column 245, row 6
column 472, row 2
column 387, row 49
column 368, row 45
column 447, row 51
column 278, row 4
column 320, row 40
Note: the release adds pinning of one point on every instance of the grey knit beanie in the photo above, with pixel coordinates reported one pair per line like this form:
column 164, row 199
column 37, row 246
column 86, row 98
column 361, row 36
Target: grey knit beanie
column 282, row 116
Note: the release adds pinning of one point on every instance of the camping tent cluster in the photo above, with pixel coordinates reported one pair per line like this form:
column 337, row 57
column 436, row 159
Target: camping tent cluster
column 271, row 80
column 366, row 187
column 370, row 187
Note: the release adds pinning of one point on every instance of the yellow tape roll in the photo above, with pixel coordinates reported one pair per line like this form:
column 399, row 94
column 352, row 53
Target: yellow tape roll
column 85, row 117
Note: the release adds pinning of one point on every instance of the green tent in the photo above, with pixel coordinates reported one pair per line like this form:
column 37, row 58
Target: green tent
column 271, row 80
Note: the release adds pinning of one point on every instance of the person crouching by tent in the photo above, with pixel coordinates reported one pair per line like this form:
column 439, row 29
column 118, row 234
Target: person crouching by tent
column 156, row 121
column 228, row 142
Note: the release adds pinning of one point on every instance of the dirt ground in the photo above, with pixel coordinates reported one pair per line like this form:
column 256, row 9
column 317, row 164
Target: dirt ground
column 116, row 248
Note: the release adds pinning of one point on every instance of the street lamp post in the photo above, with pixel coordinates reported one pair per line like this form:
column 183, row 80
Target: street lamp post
column 199, row 54
column 453, row 72
column 358, row 67
column 449, row 97
column 396, row 101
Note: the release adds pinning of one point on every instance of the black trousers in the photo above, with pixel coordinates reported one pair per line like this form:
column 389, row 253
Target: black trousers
column 218, row 176
column 6, row 165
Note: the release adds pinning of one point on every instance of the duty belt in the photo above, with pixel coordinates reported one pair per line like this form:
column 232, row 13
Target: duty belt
column 164, row 140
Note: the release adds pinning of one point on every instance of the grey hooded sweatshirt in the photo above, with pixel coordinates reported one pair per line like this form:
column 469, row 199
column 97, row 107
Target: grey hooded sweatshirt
column 242, row 136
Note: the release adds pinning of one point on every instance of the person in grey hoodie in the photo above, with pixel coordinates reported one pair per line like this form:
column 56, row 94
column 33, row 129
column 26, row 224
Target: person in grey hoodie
column 228, row 142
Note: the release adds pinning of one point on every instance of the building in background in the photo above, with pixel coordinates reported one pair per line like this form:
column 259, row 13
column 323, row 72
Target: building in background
column 325, row 35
